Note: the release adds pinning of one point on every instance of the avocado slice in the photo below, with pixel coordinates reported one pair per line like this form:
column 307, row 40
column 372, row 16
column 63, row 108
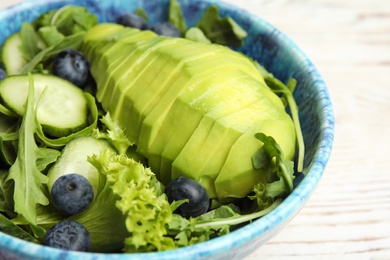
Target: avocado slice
column 124, row 72
column 206, row 155
column 112, row 51
column 113, row 58
column 150, row 101
column 239, row 160
column 105, row 54
column 176, row 129
column 199, row 71
column 225, row 97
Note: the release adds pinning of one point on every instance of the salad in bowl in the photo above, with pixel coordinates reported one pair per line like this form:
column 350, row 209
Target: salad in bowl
column 149, row 128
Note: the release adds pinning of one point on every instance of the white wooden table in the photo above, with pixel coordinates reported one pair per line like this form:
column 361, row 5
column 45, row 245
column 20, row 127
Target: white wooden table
column 348, row 216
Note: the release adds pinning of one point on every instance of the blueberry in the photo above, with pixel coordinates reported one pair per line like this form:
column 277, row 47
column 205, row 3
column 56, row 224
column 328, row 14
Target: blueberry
column 2, row 74
column 166, row 29
column 185, row 188
column 72, row 193
column 68, row 235
column 133, row 20
column 72, row 66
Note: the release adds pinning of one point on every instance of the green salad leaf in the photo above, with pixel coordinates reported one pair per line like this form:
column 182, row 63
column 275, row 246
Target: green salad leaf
column 68, row 19
column 287, row 96
column 114, row 134
column 147, row 211
column 25, row 172
column 73, row 19
column 29, row 37
column 9, row 127
column 224, row 31
column 50, row 35
column 269, row 156
column 104, row 221
column 6, row 195
column 70, row 42
column 6, row 226
column 176, row 17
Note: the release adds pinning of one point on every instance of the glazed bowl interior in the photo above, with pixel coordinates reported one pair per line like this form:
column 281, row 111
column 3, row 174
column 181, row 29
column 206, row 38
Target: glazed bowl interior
column 268, row 46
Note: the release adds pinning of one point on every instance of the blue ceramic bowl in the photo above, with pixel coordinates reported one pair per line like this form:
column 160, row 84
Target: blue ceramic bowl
column 265, row 44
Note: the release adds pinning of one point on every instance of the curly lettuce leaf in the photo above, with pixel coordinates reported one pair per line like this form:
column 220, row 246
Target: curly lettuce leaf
column 139, row 195
column 114, row 134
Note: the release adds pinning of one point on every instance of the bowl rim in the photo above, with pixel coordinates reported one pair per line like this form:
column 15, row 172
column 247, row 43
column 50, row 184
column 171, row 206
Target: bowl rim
column 278, row 217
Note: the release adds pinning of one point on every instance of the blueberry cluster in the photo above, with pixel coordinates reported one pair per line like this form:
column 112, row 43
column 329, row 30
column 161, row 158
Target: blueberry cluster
column 70, row 194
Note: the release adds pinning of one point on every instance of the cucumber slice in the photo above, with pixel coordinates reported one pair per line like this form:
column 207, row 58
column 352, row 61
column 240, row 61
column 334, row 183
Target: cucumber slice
column 74, row 159
column 12, row 56
column 61, row 107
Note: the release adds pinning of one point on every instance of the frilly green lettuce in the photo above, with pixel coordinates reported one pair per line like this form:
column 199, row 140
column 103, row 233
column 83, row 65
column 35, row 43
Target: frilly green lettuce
column 140, row 199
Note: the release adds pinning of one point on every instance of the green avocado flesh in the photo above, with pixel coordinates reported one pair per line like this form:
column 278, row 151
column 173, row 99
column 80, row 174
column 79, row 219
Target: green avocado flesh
column 192, row 108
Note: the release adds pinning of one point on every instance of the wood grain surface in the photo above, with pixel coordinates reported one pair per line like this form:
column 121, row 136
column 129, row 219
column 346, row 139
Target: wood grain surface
column 348, row 216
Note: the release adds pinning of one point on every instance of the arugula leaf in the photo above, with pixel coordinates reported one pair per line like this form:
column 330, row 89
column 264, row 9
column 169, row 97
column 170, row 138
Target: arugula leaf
column 69, row 42
column 6, row 195
column 224, row 31
column 7, row 151
column 44, row 19
column 24, row 172
column 216, row 222
column 287, row 90
column 59, row 29
column 29, row 37
column 73, row 19
column 9, row 127
column 176, row 17
column 270, row 153
column 234, row 218
column 50, row 35
column 6, row 226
